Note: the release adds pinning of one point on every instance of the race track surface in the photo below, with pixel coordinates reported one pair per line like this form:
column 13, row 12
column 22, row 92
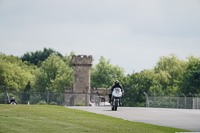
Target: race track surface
column 188, row 119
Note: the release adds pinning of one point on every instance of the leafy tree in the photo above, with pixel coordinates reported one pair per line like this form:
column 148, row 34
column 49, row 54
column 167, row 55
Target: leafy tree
column 163, row 79
column 190, row 82
column 39, row 56
column 14, row 73
column 104, row 74
column 131, row 89
column 67, row 59
column 53, row 75
column 171, row 70
column 136, row 84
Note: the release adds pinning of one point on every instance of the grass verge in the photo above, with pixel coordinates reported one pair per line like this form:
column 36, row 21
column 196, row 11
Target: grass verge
column 51, row 119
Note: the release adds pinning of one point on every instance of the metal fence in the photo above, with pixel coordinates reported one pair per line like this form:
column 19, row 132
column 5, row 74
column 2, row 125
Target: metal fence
column 93, row 99
column 23, row 97
column 179, row 102
column 53, row 98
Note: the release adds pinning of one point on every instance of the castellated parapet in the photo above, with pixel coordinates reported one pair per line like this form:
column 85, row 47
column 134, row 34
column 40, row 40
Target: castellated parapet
column 81, row 60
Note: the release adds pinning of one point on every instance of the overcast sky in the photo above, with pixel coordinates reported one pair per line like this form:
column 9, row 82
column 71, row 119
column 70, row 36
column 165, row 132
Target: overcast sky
column 133, row 34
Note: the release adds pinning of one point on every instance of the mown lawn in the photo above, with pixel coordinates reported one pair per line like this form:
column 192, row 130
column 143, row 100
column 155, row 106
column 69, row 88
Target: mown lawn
column 57, row 119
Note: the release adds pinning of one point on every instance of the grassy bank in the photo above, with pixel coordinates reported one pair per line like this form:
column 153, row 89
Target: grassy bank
column 46, row 118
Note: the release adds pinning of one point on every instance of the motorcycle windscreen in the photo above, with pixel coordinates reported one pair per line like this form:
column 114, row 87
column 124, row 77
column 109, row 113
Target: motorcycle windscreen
column 117, row 92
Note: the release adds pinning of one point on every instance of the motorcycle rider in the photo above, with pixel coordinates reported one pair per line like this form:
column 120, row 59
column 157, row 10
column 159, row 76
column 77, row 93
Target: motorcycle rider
column 116, row 85
column 13, row 100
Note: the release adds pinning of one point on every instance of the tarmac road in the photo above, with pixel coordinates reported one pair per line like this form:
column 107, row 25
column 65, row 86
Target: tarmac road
column 188, row 119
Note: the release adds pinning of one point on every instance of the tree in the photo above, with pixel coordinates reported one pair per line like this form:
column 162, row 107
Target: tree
column 53, row 75
column 67, row 59
column 14, row 73
column 190, row 82
column 104, row 74
column 136, row 84
column 131, row 90
column 171, row 70
column 39, row 56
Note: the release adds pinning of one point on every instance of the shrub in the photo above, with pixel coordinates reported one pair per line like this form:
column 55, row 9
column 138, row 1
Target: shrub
column 42, row 102
column 52, row 103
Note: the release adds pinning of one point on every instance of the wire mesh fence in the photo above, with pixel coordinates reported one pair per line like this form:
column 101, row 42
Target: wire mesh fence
column 192, row 102
column 23, row 97
column 53, row 98
column 93, row 99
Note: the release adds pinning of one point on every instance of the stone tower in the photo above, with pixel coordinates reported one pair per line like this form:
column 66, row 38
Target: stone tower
column 81, row 65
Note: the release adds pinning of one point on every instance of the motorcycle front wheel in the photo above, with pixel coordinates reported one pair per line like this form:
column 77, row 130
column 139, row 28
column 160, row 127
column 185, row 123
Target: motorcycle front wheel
column 116, row 104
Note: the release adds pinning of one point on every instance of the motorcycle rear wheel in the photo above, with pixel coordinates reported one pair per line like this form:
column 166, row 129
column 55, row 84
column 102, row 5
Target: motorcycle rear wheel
column 112, row 107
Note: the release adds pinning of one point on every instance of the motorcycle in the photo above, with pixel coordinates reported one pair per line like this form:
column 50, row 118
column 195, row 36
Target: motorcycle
column 116, row 96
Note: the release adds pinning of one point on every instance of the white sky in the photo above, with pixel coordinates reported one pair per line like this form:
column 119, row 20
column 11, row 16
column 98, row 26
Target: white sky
column 133, row 34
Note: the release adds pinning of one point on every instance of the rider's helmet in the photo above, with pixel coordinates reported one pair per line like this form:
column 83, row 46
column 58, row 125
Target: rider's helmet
column 13, row 98
column 116, row 82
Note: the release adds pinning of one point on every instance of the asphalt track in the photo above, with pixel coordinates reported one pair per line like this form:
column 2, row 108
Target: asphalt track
column 188, row 119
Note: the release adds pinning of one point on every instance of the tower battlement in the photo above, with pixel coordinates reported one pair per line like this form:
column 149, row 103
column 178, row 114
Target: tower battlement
column 82, row 60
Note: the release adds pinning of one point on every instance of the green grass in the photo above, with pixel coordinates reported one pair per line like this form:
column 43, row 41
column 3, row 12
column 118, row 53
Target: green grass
column 57, row 119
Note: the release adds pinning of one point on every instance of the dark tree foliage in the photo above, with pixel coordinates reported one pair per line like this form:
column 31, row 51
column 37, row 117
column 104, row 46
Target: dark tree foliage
column 130, row 85
column 38, row 57
column 191, row 79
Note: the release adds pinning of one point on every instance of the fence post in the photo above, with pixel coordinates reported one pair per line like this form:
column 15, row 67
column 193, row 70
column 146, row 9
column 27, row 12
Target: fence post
column 169, row 101
column 147, row 99
column 197, row 101
column 192, row 101
column 47, row 97
column 162, row 101
column 154, row 100
column 177, row 106
column 61, row 99
column 19, row 95
column 5, row 96
column 185, row 100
